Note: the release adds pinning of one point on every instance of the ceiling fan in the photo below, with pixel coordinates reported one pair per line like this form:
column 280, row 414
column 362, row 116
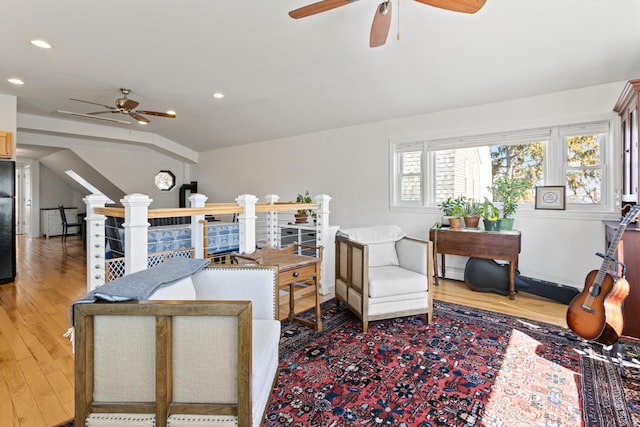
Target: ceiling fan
column 123, row 105
column 382, row 18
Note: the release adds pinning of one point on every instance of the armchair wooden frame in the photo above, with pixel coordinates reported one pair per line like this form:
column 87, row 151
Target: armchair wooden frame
column 164, row 313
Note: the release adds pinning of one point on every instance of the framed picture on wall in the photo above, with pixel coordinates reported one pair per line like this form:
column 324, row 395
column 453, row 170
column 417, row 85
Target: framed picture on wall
column 551, row 197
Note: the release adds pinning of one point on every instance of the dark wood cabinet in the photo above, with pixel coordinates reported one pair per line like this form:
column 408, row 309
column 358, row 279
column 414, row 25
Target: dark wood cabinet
column 628, row 251
column 627, row 108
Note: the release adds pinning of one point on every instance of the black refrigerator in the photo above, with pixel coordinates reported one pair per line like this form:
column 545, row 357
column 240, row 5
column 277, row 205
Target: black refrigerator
column 7, row 221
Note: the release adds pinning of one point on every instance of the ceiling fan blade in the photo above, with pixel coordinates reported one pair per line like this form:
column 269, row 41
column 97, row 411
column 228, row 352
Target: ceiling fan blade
column 94, row 103
column 104, row 112
column 157, row 113
column 139, row 118
column 321, row 6
column 464, row 6
column 130, row 104
column 381, row 24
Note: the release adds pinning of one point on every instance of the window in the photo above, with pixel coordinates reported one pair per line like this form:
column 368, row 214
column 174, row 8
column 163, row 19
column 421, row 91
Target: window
column 426, row 173
column 584, row 168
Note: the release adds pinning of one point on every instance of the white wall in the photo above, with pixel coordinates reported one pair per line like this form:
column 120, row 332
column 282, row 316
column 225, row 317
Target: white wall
column 352, row 166
column 129, row 167
column 55, row 192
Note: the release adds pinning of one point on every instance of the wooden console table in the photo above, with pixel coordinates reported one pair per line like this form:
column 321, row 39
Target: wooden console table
column 292, row 269
column 502, row 245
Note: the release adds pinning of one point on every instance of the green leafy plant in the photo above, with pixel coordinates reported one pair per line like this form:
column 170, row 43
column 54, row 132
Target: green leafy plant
column 457, row 212
column 489, row 211
column 450, row 203
column 509, row 191
column 472, row 207
column 304, row 198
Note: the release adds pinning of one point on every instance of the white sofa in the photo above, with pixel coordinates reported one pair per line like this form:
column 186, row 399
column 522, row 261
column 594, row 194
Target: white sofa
column 381, row 273
column 202, row 351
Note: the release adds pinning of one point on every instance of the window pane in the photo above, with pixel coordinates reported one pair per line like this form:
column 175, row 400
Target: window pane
column 411, row 162
column 583, row 186
column 583, row 150
column 469, row 171
column 584, row 168
column 411, row 188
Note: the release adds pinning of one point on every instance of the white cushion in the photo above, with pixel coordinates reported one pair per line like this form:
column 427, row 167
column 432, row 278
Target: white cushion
column 390, row 280
column 375, row 234
column 179, row 290
column 383, row 254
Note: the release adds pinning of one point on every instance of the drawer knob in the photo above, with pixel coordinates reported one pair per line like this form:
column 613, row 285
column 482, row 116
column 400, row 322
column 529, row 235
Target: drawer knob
column 296, row 274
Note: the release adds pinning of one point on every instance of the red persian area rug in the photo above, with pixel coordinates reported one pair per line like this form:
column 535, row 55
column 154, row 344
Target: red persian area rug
column 469, row 367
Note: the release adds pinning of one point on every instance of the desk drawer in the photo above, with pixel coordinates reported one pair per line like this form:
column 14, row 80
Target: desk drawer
column 301, row 274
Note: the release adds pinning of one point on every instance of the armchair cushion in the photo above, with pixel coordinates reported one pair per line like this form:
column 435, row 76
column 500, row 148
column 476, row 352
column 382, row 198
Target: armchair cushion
column 381, row 241
column 181, row 290
column 389, row 280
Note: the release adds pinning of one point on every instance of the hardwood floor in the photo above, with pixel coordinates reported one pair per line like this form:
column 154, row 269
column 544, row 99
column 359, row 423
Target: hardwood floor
column 36, row 361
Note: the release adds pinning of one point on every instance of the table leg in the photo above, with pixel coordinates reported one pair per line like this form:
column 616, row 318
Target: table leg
column 292, row 312
column 435, row 269
column 512, row 280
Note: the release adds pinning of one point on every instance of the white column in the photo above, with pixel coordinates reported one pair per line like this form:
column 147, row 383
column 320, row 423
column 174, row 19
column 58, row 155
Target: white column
column 247, row 223
column 323, row 237
column 95, row 235
column 273, row 231
column 136, row 225
column 197, row 229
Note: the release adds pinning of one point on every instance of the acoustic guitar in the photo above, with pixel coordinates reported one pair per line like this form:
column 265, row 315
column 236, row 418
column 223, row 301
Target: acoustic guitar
column 596, row 313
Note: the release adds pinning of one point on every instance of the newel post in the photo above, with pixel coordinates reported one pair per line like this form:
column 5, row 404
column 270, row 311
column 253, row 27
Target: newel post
column 273, row 236
column 95, row 235
column 247, row 222
column 197, row 228
column 322, row 230
column 136, row 225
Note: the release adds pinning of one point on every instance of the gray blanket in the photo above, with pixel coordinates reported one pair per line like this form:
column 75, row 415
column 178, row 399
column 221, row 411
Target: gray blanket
column 142, row 284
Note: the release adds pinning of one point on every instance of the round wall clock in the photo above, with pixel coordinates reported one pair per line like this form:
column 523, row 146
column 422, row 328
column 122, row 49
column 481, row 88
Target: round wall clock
column 165, row 180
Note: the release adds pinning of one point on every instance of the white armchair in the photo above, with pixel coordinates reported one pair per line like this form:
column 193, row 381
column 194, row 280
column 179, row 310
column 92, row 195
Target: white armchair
column 205, row 353
column 381, row 273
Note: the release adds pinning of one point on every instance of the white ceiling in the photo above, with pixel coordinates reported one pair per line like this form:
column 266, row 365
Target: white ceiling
column 285, row 77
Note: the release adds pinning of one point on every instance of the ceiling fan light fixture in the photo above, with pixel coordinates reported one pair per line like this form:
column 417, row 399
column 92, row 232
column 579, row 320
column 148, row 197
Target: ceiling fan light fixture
column 142, row 122
column 41, row 44
column 171, row 112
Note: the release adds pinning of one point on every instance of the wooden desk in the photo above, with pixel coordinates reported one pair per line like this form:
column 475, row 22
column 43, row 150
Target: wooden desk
column 502, row 245
column 292, row 269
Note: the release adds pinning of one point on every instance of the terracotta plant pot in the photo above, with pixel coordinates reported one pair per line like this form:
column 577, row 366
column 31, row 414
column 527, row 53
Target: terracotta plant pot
column 455, row 223
column 301, row 218
column 471, row 221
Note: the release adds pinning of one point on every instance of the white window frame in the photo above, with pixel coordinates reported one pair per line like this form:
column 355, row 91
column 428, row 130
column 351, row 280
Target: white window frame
column 555, row 161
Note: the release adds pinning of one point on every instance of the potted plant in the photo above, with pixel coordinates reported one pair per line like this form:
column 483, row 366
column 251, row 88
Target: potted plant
column 302, row 215
column 472, row 210
column 448, row 205
column 455, row 220
column 509, row 191
column 490, row 215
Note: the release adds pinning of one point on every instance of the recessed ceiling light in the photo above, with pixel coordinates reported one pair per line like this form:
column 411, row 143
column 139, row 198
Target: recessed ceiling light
column 142, row 122
column 218, row 95
column 41, row 43
column 171, row 112
column 15, row 81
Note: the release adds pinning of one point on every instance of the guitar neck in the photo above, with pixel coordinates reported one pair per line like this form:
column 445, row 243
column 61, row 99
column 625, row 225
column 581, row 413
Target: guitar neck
column 613, row 245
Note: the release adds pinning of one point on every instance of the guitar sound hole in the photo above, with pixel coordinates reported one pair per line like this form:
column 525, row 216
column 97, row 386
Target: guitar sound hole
column 595, row 291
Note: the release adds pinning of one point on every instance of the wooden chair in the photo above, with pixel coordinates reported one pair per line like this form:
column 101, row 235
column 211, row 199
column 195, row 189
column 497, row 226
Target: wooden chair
column 382, row 274
column 66, row 225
